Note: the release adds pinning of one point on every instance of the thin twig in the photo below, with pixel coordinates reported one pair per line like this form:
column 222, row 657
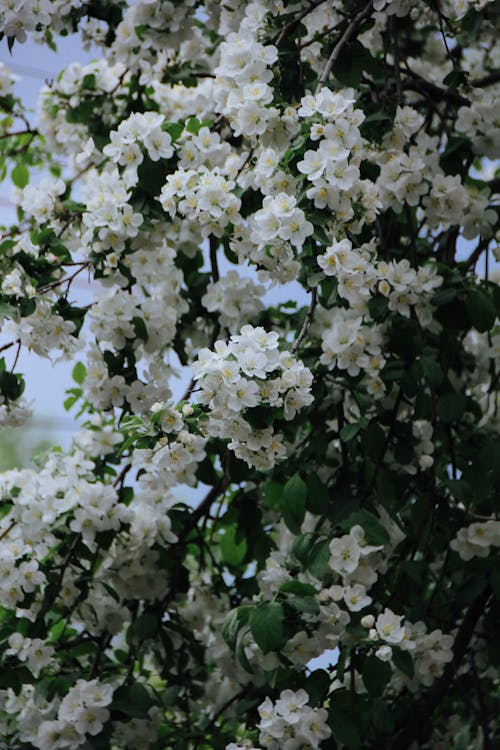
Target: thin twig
column 344, row 39
column 307, row 320
column 213, row 257
column 67, row 279
column 7, row 530
column 291, row 25
column 28, row 131
column 17, row 355
column 395, row 54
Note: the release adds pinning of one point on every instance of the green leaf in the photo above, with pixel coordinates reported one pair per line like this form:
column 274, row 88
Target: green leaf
column 318, row 496
column 374, row 440
column 455, row 79
column 317, row 560
column 230, row 628
column 20, row 175
column 376, row 674
column 307, row 604
column 146, row 626
column 432, row 370
column 193, row 125
column 349, row 431
column 232, row 624
column 345, row 729
column 11, row 386
column 266, row 624
column 140, row 328
column 174, row 129
column 293, row 503
column 317, row 685
column 132, row 700
column 481, row 309
column 273, row 492
column 298, row 588
column 79, row 373
column 381, row 717
column 374, row 531
column 451, row 407
column 233, row 552
column 403, row 661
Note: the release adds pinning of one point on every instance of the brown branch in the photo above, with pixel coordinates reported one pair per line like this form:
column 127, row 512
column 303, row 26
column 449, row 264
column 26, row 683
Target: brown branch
column 292, row 25
column 307, row 320
column 487, row 80
column 419, row 84
column 67, row 279
column 7, row 531
column 344, row 39
column 213, row 257
column 395, row 54
column 204, row 507
column 27, row 131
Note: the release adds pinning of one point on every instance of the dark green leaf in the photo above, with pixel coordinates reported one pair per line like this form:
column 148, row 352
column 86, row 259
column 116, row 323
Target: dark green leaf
column 481, row 309
column 349, row 431
column 374, row 531
column 403, row 661
column 376, row 674
column 293, row 503
column 345, row 729
column 451, row 407
column 266, row 624
column 132, row 700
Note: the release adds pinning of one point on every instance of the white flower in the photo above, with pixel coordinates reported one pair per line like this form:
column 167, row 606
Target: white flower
column 389, row 627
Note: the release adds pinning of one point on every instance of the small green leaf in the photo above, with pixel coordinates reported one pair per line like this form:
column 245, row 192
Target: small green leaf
column 233, row 552
column 230, row 628
column 403, row 661
column 232, row 624
column 146, row 626
column 318, row 496
column 174, row 129
column 374, row 531
column 432, row 370
column 349, row 431
column 451, row 407
column 317, row 560
column 307, row 604
column 273, row 492
column 317, row 685
column 79, row 373
column 266, row 624
column 298, row 588
column 376, row 674
column 193, row 125
column 481, row 309
column 20, row 176
column 345, row 729
column 293, row 503
column 132, row 700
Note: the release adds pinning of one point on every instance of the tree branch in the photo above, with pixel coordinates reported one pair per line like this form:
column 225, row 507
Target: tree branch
column 344, row 39
column 307, row 320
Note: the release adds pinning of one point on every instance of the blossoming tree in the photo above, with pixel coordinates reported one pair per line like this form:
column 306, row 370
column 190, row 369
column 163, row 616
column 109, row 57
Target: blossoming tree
column 329, row 581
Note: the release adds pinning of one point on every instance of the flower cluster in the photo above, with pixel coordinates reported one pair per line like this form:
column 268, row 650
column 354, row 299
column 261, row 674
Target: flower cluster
column 249, row 372
column 290, row 723
column 475, row 540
